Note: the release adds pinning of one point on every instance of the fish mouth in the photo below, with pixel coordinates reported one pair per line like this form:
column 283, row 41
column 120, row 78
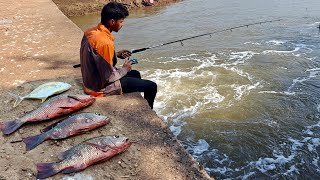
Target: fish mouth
column 90, row 101
column 127, row 141
column 131, row 142
column 104, row 121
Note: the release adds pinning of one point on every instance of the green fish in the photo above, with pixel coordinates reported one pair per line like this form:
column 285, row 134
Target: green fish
column 43, row 92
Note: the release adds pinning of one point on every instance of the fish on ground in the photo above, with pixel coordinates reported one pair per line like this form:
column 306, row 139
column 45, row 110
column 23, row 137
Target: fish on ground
column 84, row 154
column 73, row 125
column 55, row 107
column 43, row 92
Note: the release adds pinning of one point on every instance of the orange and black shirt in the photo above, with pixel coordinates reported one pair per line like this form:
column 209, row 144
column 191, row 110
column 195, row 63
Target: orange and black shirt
column 98, row 60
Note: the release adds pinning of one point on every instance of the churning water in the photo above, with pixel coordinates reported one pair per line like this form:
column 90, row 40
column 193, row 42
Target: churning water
column 246, row 103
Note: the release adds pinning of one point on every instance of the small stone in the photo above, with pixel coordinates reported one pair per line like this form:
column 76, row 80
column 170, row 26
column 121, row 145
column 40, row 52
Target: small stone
column 24, row 169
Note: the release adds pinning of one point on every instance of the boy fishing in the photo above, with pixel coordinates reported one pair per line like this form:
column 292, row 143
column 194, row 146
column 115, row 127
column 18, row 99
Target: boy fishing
column 98, row 59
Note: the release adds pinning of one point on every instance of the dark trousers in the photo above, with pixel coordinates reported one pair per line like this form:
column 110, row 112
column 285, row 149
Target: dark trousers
column 132, row 82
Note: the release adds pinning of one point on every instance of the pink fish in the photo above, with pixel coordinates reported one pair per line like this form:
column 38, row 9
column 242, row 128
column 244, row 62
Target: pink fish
column 71, row 126
column 55, row 107
column 84, row 154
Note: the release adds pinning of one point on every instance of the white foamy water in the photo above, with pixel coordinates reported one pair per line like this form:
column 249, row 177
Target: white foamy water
column 276, row 42
column 289, row 162
column 208, row 96
column 244, row 103
column 277, row 52
column 172, row 86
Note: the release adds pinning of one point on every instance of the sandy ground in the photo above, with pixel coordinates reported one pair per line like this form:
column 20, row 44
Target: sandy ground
column 39, row 44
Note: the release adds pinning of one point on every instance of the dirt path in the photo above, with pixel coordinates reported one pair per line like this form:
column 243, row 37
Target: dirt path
column 40, row 44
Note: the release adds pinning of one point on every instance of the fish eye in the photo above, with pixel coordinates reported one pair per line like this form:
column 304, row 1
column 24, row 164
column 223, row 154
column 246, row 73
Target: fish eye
column 98, row 114
column 116, row 136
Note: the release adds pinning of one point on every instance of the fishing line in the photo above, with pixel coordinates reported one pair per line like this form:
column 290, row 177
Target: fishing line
column 197, row 36
column 206, row 34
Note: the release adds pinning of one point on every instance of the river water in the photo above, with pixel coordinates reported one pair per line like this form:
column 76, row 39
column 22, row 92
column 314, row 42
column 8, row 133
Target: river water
column 246, row 103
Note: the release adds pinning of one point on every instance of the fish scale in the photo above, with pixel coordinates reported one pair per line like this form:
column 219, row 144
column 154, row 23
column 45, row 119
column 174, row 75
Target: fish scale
column 84, row 154
column 79, row 121
column 55, row 107
column 48, row 110
column 70, row 126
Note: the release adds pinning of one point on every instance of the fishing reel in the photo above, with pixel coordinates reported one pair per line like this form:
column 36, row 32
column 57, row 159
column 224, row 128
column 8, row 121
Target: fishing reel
column 133, row 60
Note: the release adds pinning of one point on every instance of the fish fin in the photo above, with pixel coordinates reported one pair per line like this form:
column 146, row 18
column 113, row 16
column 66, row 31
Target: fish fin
column 101, row 148
column 65, row 107
column 50, row 126
column 65, row 154
column 33, row 141
column 9, row 127
column 74, row 97
column 18, row 99
column 74, row 169
column 82, row 130
column 43, row 99
column 46, row 170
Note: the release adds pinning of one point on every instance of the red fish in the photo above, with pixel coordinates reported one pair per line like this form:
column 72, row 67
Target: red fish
column 71, row 126
column 55, row 107
column 84, row 154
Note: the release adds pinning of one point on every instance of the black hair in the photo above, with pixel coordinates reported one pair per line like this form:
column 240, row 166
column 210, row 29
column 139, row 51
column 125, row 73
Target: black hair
column 113, row 10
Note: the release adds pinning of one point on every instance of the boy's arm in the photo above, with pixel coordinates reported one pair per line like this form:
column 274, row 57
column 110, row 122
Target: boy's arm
column 120, row 72
column 117, row 74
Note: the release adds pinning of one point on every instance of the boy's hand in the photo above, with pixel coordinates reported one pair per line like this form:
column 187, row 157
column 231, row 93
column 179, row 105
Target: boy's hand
column 123, row 54
column 128, row 65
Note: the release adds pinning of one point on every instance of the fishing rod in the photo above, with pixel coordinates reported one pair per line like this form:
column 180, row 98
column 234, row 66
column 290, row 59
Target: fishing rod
column 206, row 34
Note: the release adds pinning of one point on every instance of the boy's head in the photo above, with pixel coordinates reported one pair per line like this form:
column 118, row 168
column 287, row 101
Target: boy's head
column 113, row 15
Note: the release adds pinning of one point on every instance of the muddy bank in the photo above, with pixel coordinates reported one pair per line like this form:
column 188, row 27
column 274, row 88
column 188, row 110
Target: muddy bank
column 82, row 7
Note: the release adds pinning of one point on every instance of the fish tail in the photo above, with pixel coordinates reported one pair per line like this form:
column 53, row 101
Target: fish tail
column 33, row 141
column 18, row 99
column 46, row 170
column 9, row 127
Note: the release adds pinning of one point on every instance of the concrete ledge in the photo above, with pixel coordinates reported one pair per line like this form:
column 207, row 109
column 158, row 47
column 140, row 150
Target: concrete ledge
column 40, row 44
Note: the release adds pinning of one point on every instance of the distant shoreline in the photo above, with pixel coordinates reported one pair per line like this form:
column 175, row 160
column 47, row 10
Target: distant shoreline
column 82, row 7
